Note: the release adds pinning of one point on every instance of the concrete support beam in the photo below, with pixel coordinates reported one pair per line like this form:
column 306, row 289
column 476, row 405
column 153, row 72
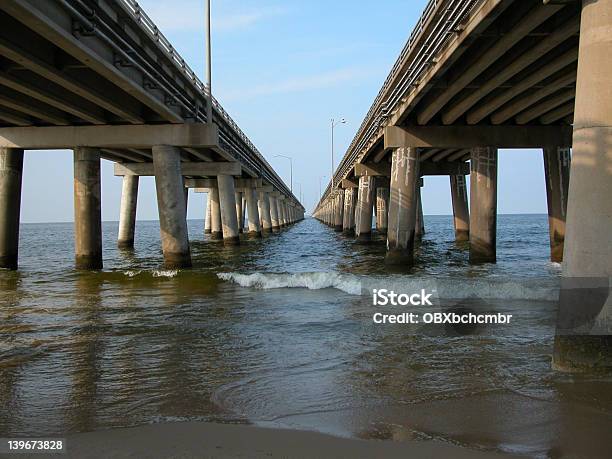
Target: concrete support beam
column 382, row 200
column 11, row 170
column 274, row 212
column 461, row 214
column 348, row 221
column 557, row 173
column 587, row 258
column 339, row 215
column 506, row 136
column 127, row 214
column 419, row 225
column 229, row 216
column 372, row 169
column 207, row 226
column 264, row 211
column 483, row 205
column 216, row 228
column 239, row 211
column 253, row 210
column 402, row 206
column 171, row 206
column 445, row 168
column 87, row 208
column 363, row 212
column 349, row 183
column 187, row 168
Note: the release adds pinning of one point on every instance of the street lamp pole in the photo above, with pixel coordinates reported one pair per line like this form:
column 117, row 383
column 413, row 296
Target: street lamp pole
column 209, row 101
column 291, row 169
column 334, row 123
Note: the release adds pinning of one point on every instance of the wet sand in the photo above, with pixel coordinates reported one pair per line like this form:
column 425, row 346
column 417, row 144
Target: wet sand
column 206, row 440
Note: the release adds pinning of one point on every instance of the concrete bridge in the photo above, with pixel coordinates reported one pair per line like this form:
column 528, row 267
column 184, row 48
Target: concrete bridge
column 98, row 77
column 475, row 76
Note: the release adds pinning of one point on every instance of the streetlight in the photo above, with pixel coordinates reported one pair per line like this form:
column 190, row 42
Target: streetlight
column 320, row 191
column 291, row 168
column 209, row 110
column 334, row 123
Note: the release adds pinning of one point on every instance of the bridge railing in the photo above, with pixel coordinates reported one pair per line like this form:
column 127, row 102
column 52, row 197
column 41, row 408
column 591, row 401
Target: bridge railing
column 448, row 14
column 264, row 168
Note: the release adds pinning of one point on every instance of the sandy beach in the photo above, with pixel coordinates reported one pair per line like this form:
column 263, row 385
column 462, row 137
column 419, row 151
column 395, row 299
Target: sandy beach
column 207, row 440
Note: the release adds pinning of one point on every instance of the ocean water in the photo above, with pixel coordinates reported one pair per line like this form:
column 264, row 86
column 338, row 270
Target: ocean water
column 279, row 332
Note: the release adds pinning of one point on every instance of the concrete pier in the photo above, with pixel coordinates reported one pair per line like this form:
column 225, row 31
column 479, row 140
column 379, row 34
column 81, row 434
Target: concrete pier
column 363, row 213
column 483, row 205
column 348, row 222
column 274, row 213
column 207, row 229
column 87, row 209
column 339, row 217
column 402, row 206
column 557, row 174
column 229, row 214
column 171, row 206
column 419, row 225
column 461, row 214
column 382, row 199
column 11, row 171
column 216, row 229
column 587, row 257
column 127, row 214
column 279, row 211
column 264, row 211
column 253, row 210
column 239, row 211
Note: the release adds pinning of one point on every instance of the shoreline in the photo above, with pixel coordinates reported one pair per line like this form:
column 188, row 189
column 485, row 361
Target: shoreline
column 194, row 439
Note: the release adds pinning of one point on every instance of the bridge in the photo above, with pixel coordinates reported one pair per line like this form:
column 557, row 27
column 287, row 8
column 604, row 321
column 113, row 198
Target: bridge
column 473, row 77
column 99, row 77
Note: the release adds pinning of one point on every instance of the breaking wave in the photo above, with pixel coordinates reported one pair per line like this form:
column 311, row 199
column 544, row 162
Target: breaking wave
column 314, row 281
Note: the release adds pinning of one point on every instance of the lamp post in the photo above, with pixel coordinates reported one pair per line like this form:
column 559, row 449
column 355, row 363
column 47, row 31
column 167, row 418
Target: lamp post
column 291, row 169
column 334, row 123
column 209, row 100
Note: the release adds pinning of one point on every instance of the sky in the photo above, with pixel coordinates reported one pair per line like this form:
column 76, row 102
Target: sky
column 283, row 69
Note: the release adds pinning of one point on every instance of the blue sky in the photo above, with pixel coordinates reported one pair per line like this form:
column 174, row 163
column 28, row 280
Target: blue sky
column 282, row 69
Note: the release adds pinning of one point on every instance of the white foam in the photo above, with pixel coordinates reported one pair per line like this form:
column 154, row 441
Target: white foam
column 165, row 272
column 314, row 281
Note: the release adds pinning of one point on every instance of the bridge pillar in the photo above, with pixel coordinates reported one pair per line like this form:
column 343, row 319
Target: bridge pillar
column 461, row 214
column 229, row 209
column 382, row 200
column 282, row 211
column 274, row 213
column 171, row 206
column 252, row 209
column 87, row 209
column 127, row 214
column 264, row 211
column 419, row 225
column 402, row 206
column 587, row 259
column 11, row 170
column 483, row 205
column 239, row 213
column 216, row 229
column 207, row 229
column 339, row 200
column 348, row 222
column 363, row 213
column 557, row 174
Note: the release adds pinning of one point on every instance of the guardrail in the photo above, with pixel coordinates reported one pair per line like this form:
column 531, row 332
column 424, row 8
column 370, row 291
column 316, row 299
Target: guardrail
column 420, row 50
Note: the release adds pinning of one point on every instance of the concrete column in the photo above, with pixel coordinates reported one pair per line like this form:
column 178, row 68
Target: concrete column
column 557, row 174
column 283, row 212
column 461, row 214
column 243, row 216
column 239, row 213
column 483, row 205
column 402, row 206
column 252, row 209
column 264, row 211
column 11, row 170
column 229, row 209
column 207, row 226
column 216, row 229
column 279, row 211
column 382, row 198
column 587, row 256
column 419, row 226
column 127, row 214
column 186, row 193
column 348, row 222
column 363, row 215
column 87, row 209
column 339, row 211
column 171, row 206
column 274, row 213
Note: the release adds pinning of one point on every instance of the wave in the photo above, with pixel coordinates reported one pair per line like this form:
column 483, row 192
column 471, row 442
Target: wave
column 154, row 273
column 443, row 287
